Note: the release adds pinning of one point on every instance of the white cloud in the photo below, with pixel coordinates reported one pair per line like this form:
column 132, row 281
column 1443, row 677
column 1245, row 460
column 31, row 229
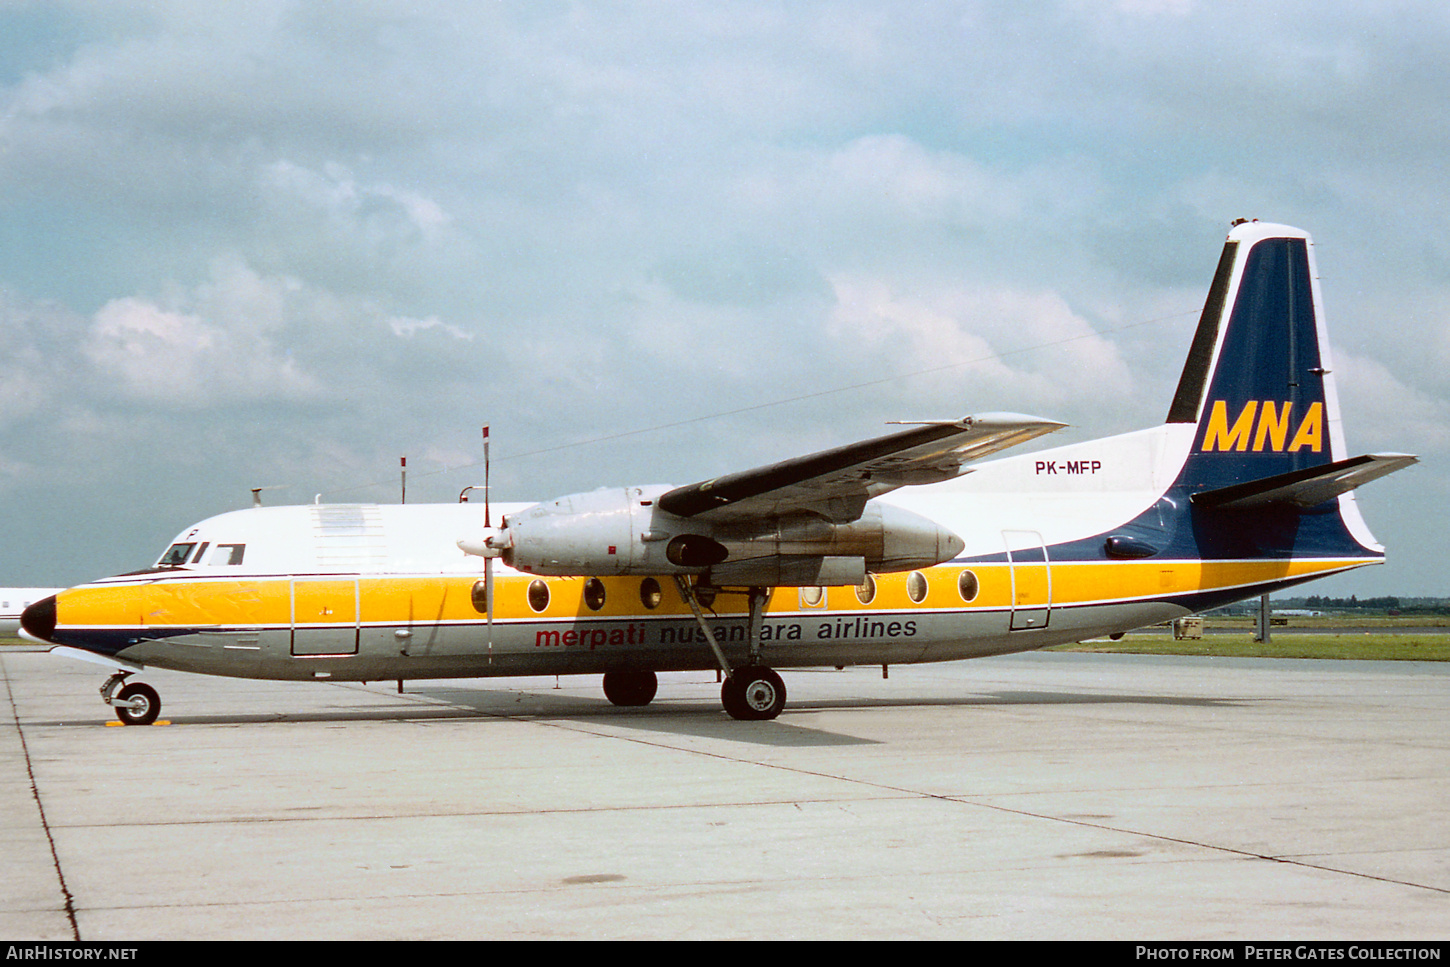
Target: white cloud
column 182, row 360
column 895, row 172
column 1005, row 349
column 408, row 328
column 1384, row 413
column 1174, row 8
column 378, row 209
column 223, row 340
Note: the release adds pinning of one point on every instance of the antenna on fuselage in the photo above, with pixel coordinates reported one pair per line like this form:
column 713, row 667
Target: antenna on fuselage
column 257, row 493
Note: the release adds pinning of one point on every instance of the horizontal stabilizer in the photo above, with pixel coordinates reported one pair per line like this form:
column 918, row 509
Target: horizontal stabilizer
column 1308, row 487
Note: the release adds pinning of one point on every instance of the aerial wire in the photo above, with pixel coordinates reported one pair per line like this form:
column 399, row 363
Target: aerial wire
column 721, row 414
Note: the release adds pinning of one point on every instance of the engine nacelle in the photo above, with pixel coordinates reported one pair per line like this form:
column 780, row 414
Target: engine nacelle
column 622, row 531
column 597, row 533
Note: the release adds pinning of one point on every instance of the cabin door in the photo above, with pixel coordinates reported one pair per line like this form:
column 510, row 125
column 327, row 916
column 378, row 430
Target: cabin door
column 324, row 616
column 1031, row 579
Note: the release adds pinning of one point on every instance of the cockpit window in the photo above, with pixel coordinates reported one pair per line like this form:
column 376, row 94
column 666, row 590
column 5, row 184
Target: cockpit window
column 227, row 554
column 176, row 555
column 219, row 555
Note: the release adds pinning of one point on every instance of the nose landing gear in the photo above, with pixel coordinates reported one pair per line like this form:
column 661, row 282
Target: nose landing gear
column 135, row 704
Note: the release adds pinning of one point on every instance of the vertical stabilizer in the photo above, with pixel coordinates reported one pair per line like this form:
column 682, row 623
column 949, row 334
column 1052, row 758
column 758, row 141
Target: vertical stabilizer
column 1257, row 382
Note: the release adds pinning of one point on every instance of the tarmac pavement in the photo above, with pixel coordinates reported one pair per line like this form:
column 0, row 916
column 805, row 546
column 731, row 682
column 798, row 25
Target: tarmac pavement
column 1048, row 795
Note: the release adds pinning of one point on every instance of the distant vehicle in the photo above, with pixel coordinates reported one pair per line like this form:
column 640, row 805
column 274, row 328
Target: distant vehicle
column 903, row 548
column 1297, row 613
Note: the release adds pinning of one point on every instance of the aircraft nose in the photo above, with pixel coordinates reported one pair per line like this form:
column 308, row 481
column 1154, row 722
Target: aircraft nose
column 38, row 620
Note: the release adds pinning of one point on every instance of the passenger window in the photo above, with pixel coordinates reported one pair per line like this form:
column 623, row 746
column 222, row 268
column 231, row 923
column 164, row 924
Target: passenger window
column 594, row 594
column 968, row 586
column 649, row 593
column 538, row 595
column 866, row 590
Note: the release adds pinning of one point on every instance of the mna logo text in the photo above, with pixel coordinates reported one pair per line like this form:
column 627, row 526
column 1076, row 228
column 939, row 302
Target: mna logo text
column 1270, row 432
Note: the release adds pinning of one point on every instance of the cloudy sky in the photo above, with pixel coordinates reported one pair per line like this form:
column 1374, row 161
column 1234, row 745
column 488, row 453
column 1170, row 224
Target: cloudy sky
column 282, row 244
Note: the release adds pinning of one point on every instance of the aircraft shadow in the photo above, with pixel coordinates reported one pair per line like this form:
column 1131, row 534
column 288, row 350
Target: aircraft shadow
column 665, row 717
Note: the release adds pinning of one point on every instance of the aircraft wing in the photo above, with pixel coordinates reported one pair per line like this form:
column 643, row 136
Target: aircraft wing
column 835, row 484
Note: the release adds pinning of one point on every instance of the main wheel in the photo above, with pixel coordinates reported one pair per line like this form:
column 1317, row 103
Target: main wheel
column 753, row 694
column 630, row 688
column 147, row 704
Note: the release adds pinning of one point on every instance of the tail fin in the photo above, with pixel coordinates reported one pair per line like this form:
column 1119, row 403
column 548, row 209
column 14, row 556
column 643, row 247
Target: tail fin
column 1258, row 381
column 1259, row 387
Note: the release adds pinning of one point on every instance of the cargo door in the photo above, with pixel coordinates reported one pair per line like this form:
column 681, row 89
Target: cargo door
column 324, row 616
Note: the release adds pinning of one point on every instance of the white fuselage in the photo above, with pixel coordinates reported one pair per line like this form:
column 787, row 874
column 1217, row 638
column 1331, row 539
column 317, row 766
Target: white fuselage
column 366, row 592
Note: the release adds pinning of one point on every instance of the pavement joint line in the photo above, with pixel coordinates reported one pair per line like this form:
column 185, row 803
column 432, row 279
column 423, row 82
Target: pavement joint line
column 964, row 800
column 70, row 910
column 570, row 723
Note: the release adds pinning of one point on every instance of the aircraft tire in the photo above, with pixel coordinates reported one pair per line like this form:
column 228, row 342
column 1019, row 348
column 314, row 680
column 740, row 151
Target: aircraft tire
column 630, row 687
column 753, row 694
column 146, row 712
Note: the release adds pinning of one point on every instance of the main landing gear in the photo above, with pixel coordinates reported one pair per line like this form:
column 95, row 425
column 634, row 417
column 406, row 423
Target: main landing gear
column 751, row 692
column 630, row 687
column 135, row 704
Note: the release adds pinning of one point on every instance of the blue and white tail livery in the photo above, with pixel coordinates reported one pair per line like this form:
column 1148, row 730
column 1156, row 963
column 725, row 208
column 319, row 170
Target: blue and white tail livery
column 1246, row 487
column 916, row 546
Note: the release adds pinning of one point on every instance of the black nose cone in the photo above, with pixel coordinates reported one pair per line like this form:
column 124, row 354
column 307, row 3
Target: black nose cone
column 39, row 619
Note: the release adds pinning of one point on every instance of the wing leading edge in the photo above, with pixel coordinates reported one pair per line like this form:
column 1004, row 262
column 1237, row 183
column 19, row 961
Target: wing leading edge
column 835, row 484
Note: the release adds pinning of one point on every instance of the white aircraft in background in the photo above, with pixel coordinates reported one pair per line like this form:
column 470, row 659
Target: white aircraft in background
column 904, row 548
column 13, row 601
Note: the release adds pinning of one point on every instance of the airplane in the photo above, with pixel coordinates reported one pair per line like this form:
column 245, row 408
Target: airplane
column 13, row 601
column 904, row 548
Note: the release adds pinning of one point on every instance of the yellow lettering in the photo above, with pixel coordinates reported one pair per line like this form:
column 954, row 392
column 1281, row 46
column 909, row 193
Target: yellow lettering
column 1274, row 427
column 1311, row 431
column 1218, row 428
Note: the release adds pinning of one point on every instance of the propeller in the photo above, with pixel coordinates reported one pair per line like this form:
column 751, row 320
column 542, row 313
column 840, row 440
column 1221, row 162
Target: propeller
column 488, row 559
column 489, row 547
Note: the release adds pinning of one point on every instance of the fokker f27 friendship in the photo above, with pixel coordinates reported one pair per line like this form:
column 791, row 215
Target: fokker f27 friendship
column 909, row 547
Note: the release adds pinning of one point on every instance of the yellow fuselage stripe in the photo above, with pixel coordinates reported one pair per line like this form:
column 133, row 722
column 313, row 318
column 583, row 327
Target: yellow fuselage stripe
column 269, row 601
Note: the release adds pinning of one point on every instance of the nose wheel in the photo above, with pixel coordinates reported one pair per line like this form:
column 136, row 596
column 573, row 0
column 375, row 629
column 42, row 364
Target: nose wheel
column 142, row 704
column 135, row 704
